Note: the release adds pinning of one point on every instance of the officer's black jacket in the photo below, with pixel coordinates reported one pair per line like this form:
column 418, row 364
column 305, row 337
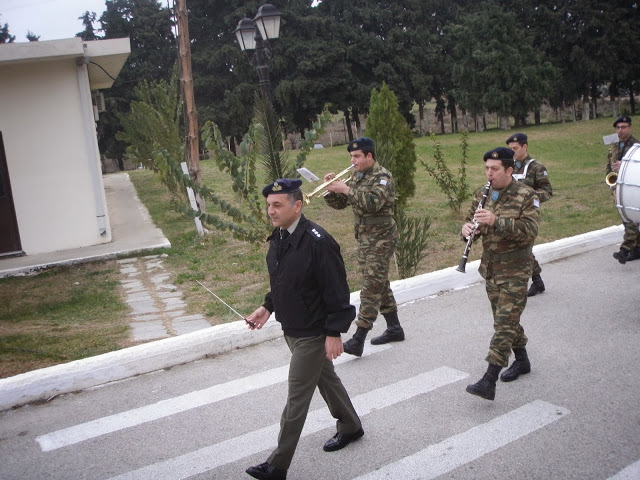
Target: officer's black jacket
column 309, row 290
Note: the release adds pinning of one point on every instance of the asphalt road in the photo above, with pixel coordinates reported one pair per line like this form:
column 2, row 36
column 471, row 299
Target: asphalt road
column 575, row 416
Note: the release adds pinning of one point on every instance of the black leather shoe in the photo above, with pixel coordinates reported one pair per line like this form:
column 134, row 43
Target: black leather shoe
column 265, row 471
column 341, row 440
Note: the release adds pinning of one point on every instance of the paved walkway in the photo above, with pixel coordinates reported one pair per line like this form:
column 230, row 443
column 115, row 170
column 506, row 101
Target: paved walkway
column 157, row 308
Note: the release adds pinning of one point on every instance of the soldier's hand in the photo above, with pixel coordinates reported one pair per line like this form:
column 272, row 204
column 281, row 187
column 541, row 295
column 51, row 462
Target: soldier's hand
column 329, row 176
column 485, row 216
column 467, row 228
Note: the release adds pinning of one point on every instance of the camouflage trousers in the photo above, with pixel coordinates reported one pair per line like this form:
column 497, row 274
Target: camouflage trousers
column 631, row 237
column 507, row 302
column 374, row 257
column 537, row 270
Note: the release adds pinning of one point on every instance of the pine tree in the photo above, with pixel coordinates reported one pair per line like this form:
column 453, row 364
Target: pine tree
column 388, row 128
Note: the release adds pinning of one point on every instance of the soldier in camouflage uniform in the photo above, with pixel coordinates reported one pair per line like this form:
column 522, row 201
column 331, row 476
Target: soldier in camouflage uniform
column 630, row 248
column 508, row 225
column 371, row 193
column 531, row 172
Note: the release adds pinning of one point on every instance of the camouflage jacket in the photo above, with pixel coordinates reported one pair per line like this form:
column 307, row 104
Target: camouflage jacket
column 536, row 177
column 616, row 152
column 508, row 242
column 372, row 197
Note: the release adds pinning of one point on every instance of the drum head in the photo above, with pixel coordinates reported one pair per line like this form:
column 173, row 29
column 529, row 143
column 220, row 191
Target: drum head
column 628, row 186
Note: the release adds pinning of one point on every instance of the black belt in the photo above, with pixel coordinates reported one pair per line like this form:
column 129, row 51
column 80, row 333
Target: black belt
column 373, row 220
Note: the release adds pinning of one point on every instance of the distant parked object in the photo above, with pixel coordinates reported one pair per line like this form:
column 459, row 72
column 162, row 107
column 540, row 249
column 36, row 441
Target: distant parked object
column 318, row 146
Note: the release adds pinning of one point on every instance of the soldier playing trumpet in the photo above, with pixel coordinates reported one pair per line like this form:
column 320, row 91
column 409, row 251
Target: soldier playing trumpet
column 371, row 193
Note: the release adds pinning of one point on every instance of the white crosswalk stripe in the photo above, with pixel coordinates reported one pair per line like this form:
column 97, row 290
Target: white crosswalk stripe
column 632, row 472
column 148, row 413
column 234, row 449
column 465, row 447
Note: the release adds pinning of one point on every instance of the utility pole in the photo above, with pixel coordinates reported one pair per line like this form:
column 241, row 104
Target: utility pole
column 186, row 82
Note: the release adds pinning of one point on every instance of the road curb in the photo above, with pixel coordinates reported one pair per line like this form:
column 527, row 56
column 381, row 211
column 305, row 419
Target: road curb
column 46, row 383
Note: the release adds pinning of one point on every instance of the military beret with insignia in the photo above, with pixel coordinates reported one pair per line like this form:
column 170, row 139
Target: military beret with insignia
column 362, row 143
column 282, row 185
column 521, row 138
column 500, row 153
column 622, row 119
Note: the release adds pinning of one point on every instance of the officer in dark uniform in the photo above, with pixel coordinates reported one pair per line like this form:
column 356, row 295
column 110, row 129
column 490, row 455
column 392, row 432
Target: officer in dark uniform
column 310, row 297
column 630, row 247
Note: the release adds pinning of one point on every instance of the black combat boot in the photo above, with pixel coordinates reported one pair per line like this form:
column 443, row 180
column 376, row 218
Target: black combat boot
column 393, row 333
column 355, row 345
column 622, row 255
column 634, row 254
column 520, row 366
column 486, row 386
column 537, row 286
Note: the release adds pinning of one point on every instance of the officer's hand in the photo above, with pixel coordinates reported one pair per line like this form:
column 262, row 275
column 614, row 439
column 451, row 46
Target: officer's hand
column 258, row 318
column 333, row 347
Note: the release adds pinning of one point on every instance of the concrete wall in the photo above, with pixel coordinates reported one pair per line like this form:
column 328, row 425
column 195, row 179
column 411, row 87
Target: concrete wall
column 50, row 156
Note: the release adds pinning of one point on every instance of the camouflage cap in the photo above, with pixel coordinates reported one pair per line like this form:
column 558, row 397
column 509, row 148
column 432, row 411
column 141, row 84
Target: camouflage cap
column 282, row 185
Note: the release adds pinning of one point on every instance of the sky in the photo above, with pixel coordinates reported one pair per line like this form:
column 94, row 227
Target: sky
column 50, row 19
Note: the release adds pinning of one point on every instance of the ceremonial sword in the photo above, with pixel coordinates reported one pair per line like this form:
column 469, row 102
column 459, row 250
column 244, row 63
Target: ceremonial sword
column 227, row 305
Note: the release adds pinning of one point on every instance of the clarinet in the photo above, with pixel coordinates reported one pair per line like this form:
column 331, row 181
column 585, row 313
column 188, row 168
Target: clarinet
column 467, row 249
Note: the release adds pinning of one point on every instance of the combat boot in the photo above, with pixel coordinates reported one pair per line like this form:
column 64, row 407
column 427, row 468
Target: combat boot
column 486, row 386
column 622, row 255
column 634, row 254
column 520, row 366
column 393, row 333
column 355, row 345
column 537, row 286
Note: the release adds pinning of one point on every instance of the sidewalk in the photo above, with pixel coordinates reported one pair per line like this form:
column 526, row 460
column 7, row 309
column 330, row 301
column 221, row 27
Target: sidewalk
column 81, row 374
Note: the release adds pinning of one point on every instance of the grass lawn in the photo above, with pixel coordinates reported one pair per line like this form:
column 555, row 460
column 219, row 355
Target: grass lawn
column 75, row 312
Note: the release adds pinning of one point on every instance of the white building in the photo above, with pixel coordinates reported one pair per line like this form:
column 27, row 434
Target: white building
column 51, row 192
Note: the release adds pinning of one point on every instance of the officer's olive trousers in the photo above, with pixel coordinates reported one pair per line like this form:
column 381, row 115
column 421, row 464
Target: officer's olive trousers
column 508, row 300
column 308, row 369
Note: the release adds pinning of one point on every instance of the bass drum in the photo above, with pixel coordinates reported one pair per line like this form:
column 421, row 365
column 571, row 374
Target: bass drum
column 628, row 186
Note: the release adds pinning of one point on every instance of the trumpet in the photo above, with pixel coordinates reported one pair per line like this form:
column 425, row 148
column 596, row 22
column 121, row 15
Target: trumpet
column 611, row 179
column 320, row 190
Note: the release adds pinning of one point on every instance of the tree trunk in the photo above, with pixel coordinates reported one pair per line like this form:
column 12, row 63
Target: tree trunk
column 632, row 100
column 347, row 122
column 421, row 118
column 536, row 116
column 585, row 107
column 186, row 81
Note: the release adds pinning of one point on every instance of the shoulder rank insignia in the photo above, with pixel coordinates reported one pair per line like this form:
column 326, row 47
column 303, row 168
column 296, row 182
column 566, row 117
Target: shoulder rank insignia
column 315, row 233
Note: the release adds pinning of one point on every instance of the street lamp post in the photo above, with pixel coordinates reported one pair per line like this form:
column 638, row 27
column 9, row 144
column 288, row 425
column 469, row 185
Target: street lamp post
column 254, row 35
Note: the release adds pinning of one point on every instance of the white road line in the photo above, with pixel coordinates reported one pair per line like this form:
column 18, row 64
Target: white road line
column 438, row 459
column 148, row 413
column 632, row 472
column 234, row 449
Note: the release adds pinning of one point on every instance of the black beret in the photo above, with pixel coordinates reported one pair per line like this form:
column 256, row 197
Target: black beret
column 282, row 185
column 500, row 153
column 622, row 119
column 517, row 137
column 362, row 143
